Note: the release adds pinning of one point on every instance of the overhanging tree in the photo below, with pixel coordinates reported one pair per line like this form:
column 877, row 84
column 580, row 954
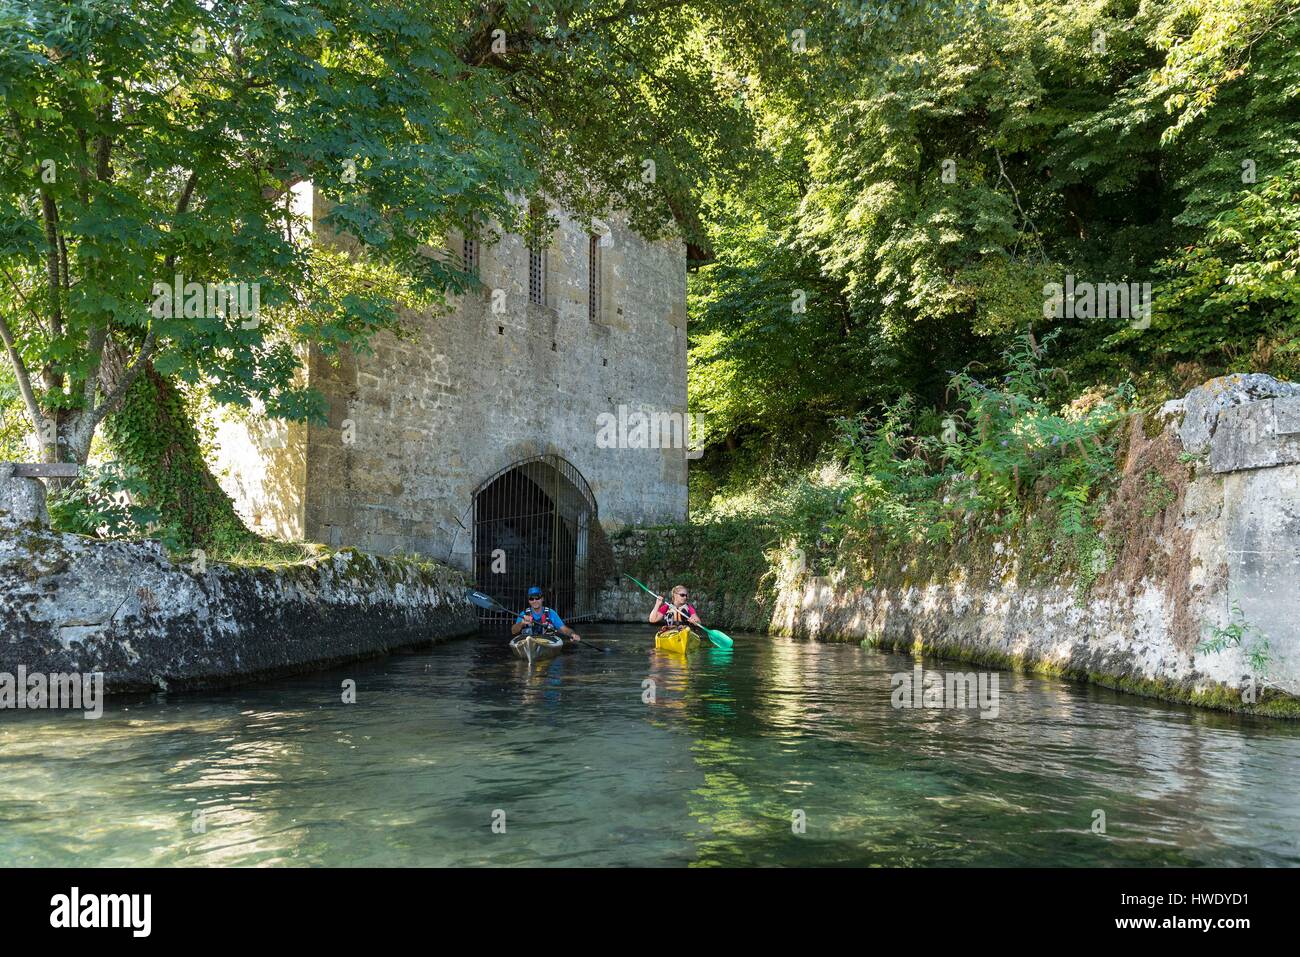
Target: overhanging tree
column 156, row 140
column 160, row 142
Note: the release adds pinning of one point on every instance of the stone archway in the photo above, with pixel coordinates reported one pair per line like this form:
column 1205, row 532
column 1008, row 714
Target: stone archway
column 532, row 524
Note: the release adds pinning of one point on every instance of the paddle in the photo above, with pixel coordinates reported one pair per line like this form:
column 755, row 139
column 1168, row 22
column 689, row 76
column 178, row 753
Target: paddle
column 486, row 601
column 489, row 603
column 720, row 639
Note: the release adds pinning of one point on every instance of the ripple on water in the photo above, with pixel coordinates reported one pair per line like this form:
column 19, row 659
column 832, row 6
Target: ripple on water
column 581, row 769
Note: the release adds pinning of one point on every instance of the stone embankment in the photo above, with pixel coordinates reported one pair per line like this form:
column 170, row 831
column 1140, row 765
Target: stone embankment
column 69, row 604
column 1200, row 602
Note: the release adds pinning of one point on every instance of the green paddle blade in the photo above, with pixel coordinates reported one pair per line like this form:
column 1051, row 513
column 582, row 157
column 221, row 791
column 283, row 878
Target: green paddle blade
column 719, row 638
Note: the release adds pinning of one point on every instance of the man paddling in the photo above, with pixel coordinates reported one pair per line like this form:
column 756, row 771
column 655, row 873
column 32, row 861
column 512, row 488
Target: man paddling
column 538, row 619
column 677, row 614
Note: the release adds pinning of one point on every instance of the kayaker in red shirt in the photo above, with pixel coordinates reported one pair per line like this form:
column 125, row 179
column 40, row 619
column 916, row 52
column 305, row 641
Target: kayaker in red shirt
column 678, row 613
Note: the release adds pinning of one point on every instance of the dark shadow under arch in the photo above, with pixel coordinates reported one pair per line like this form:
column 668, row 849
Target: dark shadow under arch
column 533, row 524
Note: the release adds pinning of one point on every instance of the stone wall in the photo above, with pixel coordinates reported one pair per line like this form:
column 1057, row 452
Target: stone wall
column 660, row 558
column 70, row 604
column 262, row 466
column 1225, row 552
column 415, row 427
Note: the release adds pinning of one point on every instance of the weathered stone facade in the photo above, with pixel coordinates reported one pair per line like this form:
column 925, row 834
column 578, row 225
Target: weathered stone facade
column 418, row 425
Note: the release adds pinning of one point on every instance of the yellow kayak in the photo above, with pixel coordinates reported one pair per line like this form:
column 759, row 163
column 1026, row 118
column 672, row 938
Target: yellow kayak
column 680, row 640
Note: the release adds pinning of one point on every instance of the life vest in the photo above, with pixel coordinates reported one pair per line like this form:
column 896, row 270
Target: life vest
column 538, row 623
column 675, row 616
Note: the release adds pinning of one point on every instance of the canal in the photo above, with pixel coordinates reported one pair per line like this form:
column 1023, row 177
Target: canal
column 775, row 753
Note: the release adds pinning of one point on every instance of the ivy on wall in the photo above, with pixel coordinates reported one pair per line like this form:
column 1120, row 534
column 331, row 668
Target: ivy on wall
column 154, row 433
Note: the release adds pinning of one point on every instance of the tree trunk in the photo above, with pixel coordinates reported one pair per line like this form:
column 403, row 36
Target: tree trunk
column 76, row 433
column 153, row 432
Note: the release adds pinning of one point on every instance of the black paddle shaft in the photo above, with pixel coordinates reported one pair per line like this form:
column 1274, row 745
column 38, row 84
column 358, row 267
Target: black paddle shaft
column 483, row 600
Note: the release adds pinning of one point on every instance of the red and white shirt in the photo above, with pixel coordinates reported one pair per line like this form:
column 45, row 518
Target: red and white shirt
column 672, row 615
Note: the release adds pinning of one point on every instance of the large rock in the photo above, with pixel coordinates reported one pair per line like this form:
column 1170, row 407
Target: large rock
column 1202, row 406
column 22, row 500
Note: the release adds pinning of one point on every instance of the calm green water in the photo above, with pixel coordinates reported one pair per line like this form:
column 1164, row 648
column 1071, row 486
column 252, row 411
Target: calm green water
column 586, row 772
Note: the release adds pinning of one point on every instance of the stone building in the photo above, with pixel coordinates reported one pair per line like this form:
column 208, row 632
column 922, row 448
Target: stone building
column 476, row 438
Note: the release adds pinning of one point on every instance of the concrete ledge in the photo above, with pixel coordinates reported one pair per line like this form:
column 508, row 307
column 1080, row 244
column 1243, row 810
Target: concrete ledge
column 71, row 604
column 1257, row 435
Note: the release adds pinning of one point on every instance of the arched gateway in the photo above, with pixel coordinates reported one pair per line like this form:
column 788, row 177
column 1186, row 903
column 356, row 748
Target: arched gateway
column 532, row 524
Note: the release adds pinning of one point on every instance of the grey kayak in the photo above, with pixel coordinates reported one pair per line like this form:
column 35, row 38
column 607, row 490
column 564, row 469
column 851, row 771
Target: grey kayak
column 534, row 647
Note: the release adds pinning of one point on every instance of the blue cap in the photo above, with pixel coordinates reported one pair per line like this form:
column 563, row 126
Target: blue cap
column 534, row 591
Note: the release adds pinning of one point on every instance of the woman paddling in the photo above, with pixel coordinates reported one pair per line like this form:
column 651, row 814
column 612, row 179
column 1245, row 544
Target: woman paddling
column 719, row 639
column 677, row 614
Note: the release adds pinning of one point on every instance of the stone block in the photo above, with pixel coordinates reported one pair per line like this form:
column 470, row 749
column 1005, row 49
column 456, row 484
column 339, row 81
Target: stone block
column 1257, row 435
column 1204, row 500
column 1203, row 406
column 1262, row 530
column 22, row 500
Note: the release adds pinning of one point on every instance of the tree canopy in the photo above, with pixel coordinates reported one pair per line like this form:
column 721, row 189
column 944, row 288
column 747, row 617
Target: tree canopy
column 149, row 140
column 933, row 166
column 875, row 195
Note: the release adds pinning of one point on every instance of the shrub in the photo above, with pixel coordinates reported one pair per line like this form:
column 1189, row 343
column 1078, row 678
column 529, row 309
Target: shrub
column 102, row 503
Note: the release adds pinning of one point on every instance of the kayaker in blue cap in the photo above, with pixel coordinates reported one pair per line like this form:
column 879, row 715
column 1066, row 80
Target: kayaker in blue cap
column 539, row 619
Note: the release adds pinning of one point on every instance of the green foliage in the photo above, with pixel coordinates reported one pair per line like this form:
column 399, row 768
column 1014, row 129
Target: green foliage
column 900, row 479
column 14, row 424
column 1001, row 452
column 154, row 431
column 1233, row 635
column 778, row 519
column 1159, row 496
column 763, row 317
column 1240, row 283
column 1017, row 442
column 148, row 140
column 910, row 486
column 983, row 152
column 105, row 503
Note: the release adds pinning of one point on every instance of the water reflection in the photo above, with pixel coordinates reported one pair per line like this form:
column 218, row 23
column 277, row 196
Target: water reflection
column 734, row 747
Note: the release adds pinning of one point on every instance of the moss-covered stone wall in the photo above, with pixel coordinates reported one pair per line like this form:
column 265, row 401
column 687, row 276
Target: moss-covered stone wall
column 1149, row 618
column 70, row 604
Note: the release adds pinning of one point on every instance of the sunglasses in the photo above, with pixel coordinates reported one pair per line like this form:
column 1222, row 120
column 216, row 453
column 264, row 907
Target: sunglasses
column 536, row 597
column 683, row 595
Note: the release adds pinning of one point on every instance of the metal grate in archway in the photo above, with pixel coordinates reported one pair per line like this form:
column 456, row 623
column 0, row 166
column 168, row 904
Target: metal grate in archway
column 532, row 526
